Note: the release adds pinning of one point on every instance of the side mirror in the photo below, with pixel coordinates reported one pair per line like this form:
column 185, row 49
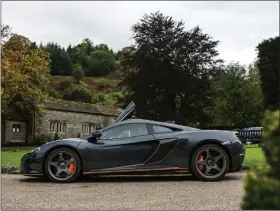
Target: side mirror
column 97, row 134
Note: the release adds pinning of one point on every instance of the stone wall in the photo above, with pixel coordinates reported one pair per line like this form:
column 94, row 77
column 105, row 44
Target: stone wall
column 73, row 122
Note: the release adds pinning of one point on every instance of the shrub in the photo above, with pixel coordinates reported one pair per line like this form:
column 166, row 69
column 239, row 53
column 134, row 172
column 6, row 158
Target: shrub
column 78, row 73
column 65, row 84
column 108, row 99
column 8, row 168
column 99, row 98
column 102, row 86
column 262, row 184
column 56, row 136
column 43, row 138
column 78, row 93
column 55, row 94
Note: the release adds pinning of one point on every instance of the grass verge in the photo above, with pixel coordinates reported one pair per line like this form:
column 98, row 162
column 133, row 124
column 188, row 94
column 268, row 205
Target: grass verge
column 254, row 157
column 13, row 155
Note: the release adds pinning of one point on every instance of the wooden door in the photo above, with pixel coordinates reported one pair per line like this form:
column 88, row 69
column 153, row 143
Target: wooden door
column 15, row 131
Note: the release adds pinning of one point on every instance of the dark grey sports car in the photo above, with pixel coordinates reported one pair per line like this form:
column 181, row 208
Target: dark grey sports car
column 136, row 146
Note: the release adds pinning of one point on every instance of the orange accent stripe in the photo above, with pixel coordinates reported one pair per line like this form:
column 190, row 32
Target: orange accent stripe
column 182, row 171
column 136, row 170
column 32, row 174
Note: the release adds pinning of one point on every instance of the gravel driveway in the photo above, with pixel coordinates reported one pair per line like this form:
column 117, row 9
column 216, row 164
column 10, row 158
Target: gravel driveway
column 157, row 193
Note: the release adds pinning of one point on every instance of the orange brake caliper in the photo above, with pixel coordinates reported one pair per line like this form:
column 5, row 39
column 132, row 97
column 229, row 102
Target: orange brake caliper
column 201, row 165
column 71, row 168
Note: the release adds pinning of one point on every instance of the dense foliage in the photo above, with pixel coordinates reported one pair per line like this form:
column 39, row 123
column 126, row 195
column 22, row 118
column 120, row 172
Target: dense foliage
column 171, row 73
column 237, row 97
column 61, row 63
column 268, row 64
column 262, row 190
column 170, row 70
column 108, row 99
column 24, row 74
column 95, row 60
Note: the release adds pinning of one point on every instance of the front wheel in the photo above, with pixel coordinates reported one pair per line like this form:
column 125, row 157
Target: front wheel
column 210, row 163
column 63, row 165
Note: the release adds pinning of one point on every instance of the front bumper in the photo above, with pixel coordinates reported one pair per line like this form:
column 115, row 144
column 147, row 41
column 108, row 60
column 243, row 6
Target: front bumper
column 31, row 164
column 238, row 155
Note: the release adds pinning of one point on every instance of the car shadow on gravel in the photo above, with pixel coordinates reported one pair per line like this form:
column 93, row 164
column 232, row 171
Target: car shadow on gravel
column 127, row 179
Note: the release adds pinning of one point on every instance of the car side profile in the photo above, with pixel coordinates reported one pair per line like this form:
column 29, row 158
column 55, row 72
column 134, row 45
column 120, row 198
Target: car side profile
column 137, row 146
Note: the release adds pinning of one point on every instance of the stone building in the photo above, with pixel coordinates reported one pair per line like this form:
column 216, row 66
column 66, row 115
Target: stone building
column 66, row 118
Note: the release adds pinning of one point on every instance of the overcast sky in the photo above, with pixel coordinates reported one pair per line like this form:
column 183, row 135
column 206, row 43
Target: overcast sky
column 239, row 26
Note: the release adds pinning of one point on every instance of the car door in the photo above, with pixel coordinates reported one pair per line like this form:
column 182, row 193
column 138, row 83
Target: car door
column 120, row 146
column 166, row 140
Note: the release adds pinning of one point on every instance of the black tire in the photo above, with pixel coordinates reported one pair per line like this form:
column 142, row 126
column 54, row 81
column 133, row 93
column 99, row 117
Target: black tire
column 75, row 159
column 224, row 164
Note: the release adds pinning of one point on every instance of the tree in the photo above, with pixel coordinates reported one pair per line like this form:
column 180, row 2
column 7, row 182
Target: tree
column 86, row 46
column 5, row 33
column 60, row 60
column 170, row 70
column 81, row 54
column 33, row 45
column 256, row 99
column 101, row 46
column 25, row 74
column 95, row 60
column 262, row 190
column 104, row 47
column 72, row 52
column 237, row 97
column 78, row 73
column 122, row 56
column 102, row 63
column 268, row 64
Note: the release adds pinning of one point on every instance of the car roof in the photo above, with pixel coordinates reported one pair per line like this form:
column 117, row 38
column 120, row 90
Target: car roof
column 145, row 121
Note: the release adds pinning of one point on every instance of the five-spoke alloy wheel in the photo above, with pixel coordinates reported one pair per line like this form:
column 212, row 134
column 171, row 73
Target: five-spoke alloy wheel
column 62, row 165
column 210, row 163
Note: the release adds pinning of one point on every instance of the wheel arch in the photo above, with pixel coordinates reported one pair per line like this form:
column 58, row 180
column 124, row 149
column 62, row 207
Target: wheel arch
column 57, row 147
column 211, row 141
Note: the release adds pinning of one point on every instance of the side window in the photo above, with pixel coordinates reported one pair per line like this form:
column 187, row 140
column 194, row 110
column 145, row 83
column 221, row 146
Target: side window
column 161, row 129
column 125, row 131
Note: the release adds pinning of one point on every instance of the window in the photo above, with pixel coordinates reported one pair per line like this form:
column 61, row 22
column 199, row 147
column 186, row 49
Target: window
column 161, row 129
column 125, row 131
column 88, row 128
column 57, row 126
column 16, row 128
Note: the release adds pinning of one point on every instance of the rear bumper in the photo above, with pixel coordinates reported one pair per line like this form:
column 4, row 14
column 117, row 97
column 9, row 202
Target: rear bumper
column 31, row 164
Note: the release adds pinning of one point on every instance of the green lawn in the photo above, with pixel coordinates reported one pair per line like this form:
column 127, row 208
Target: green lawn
column 254, row 155
column 13, row 155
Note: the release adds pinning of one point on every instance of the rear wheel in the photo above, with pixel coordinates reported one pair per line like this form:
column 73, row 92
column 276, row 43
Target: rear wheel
column 63, row 165
column 210, row 163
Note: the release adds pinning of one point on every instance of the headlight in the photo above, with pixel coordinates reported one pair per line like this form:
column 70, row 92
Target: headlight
column 35, row 150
